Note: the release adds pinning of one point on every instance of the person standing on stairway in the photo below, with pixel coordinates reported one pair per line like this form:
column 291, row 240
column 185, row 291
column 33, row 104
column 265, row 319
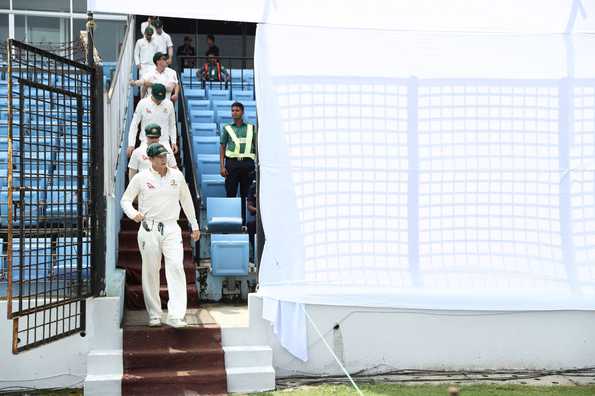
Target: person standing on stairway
column 139, row 160
column 161, row 190
column 154, row 109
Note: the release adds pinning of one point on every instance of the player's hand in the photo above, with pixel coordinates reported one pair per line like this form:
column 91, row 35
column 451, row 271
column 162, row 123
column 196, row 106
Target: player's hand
column 223, row 172
column 174, row 97
column 174, row 148
column 139, row 217
column 195, row 235
column 129, row 151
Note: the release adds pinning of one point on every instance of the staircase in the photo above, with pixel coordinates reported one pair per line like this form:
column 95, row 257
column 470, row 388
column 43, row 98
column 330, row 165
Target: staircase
column 129, row 259
column 163, row 360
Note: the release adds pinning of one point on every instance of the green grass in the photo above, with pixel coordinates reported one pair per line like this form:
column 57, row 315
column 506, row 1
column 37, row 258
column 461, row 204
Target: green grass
column 436, row 390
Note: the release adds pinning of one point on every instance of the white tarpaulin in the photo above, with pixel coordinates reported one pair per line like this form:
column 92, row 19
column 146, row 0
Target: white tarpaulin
column 420, row 154
column 443, row 168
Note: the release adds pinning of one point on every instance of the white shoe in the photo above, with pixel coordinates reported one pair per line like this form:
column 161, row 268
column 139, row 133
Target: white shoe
column 155, row 322
column 177, row 323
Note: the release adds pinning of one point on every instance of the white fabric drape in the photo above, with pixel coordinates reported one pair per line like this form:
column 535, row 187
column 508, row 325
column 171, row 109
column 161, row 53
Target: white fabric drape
column 431, row 168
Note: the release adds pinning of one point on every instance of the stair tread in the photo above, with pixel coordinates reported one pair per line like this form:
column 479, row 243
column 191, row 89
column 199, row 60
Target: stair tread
column 148, row 374
column 175, row 351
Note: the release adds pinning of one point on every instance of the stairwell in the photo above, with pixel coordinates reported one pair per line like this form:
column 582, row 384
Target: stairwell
column 163, row 360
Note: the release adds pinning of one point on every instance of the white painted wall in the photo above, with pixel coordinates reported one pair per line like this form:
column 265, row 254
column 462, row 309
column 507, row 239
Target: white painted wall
column 384, row 339
column 62, row 363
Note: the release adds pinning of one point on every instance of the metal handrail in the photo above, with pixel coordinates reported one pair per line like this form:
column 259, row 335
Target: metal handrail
column 188, row 155
column 230, row 63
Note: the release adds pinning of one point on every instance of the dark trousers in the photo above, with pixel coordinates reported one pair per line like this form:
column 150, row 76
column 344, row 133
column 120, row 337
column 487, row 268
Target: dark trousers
column 238, row 172
column 251, row 226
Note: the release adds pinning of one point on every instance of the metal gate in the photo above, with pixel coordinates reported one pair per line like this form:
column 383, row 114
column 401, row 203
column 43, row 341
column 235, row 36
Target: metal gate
column 51, row 215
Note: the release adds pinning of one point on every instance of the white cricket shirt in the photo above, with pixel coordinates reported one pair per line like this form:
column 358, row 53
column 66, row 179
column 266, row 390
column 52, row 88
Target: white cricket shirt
column 159, row 198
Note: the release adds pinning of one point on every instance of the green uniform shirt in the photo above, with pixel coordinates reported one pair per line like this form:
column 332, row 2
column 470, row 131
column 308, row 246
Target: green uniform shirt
column 241, row 132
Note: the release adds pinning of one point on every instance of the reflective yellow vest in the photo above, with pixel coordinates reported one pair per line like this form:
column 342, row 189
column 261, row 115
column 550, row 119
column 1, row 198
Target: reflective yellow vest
column 238, row 141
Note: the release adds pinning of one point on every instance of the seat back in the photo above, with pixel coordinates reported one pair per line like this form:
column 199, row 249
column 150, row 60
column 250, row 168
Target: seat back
column 224, row 215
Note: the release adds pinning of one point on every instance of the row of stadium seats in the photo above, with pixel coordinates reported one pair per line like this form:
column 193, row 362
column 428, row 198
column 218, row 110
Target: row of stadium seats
column 209, row 110
column 46, row 257
column 49, row 163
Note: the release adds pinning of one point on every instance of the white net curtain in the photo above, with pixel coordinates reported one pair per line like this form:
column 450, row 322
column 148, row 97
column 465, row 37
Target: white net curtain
column 446, row 166
column 422, row 154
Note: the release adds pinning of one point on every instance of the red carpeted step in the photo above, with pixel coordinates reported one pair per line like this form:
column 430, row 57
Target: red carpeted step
column 140, row 338
column 134, row 273
column 132, row 262
column 165, row 382
column 168, row 361
column 134, row 296
column 175, row 358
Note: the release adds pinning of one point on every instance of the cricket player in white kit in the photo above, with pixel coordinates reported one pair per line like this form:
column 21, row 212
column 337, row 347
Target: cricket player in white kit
column 160, row 192
column 162, row 75
column 139, row 160
column 155, row 109
column 144, row 49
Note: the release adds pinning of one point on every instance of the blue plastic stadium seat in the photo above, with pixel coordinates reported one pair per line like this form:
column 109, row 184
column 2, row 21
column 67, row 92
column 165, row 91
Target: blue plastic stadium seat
column 218, row 94
column 37, row 260
column 189, row 72
column 61, row 205
column 222, row 106
column 202, row 116
column 229, row 254
column 212, row 186
column 224, row 215
column 207, row 164
column 31, row 207
column 199, row 104
column 206, row 144
column 194, row 93
column 66, row 262
column 224, row 120
column 243, row 96
column 204, row 129
column 249, row 106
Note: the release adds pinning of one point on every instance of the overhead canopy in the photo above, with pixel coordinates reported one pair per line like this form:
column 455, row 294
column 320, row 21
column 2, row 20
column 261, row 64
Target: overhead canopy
column 512, row 16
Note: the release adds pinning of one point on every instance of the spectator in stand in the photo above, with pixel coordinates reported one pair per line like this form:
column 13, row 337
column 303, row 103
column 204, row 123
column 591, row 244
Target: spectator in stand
column 212, row 48
column 155, row 109
column 144, row 49
column 186, row 54
column 147, row 23
column 162, row 75
column 163, row 41
column 139, row 160
column 212, row 70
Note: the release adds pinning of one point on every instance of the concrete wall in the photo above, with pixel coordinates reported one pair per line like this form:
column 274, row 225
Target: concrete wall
column 62, row 363
column 382, row 340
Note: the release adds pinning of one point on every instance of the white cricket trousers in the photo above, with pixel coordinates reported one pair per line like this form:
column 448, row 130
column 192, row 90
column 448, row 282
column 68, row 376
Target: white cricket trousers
column 145, row 70
column 152, row 245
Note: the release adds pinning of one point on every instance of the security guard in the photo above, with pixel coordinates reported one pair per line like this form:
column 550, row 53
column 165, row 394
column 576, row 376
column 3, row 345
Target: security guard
column 160, row 192
column 155, row 109
column 139, row 160
column 237, row 153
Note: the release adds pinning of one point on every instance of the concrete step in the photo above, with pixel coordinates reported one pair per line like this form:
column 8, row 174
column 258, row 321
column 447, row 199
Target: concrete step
column 250, row 379
column 248, row 356
column 105, row 362
column 162, row 381
column 103, row 385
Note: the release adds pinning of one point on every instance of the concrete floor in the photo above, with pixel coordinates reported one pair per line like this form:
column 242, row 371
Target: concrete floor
column 225, row 315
